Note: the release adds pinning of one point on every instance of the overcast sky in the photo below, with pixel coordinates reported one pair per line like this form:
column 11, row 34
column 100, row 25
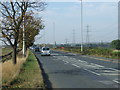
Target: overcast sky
column 102, row 18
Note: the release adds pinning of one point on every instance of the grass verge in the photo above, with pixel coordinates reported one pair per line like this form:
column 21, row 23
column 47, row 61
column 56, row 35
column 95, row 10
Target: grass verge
column 10, row 71
column 100, row 52
column 30, row 75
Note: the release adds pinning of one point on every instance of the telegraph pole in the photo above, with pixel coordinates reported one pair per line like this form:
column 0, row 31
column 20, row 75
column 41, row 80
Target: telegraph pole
column 81, row 27
column 24, row 32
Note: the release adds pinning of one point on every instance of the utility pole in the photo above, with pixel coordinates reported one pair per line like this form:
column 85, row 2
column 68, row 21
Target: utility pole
column 66, row 41
column 24, row 49
column 119, row 20
column 81, row 27
column 54, row 34
column 87, row 36
column 74, row 42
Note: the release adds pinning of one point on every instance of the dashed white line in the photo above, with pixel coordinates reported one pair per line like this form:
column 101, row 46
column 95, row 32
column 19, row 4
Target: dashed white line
column 96, row 65
column 116, row 81
column 110, row 74
column 92, row 72
column 75, row 65
column 82, row 61
column 114, row 69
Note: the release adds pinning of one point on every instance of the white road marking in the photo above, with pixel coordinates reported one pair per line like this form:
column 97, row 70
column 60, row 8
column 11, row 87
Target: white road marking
column 115, row 69
column 82, row 61
column 66, row 62
column 116, row 81
column 92, row 72
column 97, row 65
column 75, row 65
column 110, row 74
column 88, row 66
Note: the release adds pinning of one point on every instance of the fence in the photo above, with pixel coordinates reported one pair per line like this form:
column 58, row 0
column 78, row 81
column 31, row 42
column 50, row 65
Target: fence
column 7, row 56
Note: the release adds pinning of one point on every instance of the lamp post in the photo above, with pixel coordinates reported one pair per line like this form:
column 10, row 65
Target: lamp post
column 24, row 32
column 81, row 27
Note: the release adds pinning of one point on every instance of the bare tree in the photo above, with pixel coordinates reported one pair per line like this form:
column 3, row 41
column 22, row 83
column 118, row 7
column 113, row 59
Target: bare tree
column 13, row 14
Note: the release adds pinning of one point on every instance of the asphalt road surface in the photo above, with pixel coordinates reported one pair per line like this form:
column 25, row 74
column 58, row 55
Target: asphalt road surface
column 69, row 70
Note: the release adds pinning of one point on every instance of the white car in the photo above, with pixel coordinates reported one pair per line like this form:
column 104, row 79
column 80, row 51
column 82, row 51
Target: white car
column 45, row 51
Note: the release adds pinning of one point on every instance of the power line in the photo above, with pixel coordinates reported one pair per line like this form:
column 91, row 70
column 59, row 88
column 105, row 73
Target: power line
column 87, row 36
column 54, row 41
column 66, row 41
column 73, row 37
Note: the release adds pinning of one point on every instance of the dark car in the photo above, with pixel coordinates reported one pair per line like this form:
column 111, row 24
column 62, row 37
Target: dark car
column 37, row 49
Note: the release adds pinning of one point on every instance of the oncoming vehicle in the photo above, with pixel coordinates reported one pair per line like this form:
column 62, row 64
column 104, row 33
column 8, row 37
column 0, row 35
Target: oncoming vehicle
column 45, row 51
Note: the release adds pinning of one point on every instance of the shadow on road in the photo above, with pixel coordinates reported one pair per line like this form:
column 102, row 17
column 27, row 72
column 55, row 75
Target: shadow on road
column 48, row 84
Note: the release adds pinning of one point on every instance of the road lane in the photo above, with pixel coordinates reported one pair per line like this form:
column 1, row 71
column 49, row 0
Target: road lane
column 67, row 70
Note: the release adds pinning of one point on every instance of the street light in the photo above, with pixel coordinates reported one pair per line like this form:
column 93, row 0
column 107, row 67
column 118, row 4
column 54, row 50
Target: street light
column 81, row 27
column 24, row 33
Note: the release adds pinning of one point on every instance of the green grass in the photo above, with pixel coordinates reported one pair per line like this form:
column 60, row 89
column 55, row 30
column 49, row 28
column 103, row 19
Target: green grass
column 102, row 52
column 30, row 75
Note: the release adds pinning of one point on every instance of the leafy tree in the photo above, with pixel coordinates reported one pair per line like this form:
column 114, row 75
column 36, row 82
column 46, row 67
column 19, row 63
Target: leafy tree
column 32, row 28
column 13, row 14
column 116, row 44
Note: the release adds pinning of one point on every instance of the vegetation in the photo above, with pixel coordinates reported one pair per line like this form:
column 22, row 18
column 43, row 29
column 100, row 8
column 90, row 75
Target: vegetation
column 32, row 28
column 30, row 75
column 116, row 44
column 104, row 52
column 10, row 71
column 6, row 51
column 14, row 14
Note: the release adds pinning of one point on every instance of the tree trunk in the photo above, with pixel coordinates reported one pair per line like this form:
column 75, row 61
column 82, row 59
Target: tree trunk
column 14, row 56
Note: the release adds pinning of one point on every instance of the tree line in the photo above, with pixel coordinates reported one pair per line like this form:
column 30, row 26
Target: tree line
column 13, row 14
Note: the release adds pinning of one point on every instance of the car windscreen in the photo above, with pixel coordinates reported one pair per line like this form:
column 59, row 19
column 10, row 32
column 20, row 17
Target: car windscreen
column 45, row 49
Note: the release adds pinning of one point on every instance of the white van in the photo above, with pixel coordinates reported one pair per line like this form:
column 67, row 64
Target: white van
column 45, row 51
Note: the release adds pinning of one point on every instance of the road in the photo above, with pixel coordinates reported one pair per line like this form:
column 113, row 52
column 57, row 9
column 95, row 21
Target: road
column 69, row 70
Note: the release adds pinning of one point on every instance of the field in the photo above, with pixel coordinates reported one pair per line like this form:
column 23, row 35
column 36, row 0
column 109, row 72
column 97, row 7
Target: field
column 5, row 51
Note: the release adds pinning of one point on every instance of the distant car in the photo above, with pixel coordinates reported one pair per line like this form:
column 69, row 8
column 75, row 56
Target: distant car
column 31, row 48
column 45, row 51
column 37, row 49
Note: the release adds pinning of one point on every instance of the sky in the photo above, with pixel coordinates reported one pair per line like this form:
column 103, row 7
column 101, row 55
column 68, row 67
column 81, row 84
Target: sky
column 63, row 22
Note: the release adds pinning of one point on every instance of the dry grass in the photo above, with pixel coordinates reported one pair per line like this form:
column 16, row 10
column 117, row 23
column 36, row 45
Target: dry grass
column 10, row 71
column 30, row 75
column 5, row 51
